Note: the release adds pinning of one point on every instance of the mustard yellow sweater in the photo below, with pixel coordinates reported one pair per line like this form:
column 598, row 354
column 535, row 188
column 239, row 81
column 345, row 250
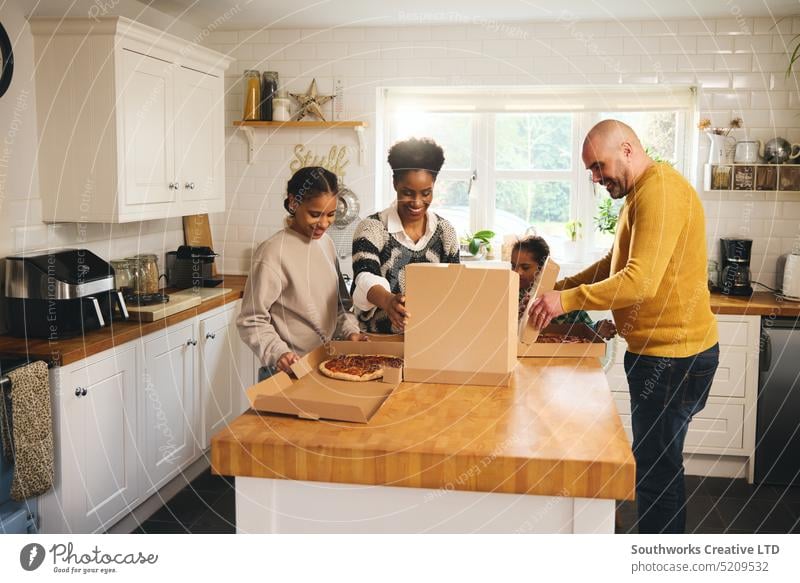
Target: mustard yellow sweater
column 654, row 279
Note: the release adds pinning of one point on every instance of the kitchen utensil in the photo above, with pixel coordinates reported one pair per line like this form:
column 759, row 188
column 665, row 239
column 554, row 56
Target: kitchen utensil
column 779, row 151
column 347, row 208
column 747, row 151
column 190, row 266
column 722, row 148
column 177, row 303
column 123, row 274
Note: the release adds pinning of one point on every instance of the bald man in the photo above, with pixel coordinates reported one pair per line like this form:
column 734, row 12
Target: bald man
column 654, row 281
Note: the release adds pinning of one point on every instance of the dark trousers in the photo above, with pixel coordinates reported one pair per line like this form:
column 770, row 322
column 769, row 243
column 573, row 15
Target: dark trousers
column 665, row 394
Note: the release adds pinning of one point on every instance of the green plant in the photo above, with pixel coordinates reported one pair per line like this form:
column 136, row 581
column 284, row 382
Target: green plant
column 607, row 216
column 572, row 228
column 478, row 239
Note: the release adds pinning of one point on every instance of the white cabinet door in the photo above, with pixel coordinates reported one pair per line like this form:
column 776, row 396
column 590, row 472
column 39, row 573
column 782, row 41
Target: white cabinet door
column 148, row 131
column 99, row 459
column 169, row 411
column 199, row 122
column 225, row 373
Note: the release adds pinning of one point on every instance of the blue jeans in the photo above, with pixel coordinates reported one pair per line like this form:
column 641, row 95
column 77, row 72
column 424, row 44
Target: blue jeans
column 665, row 394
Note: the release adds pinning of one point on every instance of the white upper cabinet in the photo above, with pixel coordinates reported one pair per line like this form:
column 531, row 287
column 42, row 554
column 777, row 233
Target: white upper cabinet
column 131, row 122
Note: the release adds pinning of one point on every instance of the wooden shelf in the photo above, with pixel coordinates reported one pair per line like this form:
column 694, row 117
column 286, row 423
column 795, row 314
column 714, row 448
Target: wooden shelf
column 301, row 124
column 249, row 129
column 751, row 178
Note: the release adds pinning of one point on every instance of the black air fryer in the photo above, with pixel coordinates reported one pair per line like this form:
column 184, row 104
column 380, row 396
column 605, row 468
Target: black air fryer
column 60, row 294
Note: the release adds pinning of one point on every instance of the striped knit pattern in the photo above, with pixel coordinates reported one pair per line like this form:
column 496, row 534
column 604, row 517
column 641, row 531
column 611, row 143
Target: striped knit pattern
column 377, row 251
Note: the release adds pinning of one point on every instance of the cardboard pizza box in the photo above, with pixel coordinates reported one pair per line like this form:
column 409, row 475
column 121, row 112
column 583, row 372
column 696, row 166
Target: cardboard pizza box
column 528, row 347
column 462, row 326
column 314, row 396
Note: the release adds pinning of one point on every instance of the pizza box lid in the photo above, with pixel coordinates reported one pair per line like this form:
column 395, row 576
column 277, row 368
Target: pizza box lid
column 545, row 282
column 314, row 396
column 595, row 348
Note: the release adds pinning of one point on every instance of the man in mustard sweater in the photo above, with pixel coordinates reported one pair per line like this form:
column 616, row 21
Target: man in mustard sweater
column 654, row 281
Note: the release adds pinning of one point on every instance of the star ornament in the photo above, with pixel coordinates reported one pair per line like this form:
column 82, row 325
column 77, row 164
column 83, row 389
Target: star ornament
column 310, row 102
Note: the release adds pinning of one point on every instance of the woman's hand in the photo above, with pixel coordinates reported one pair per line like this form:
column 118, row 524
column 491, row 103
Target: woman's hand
column 358, row 337
column 286, row 361
column 606, row 329
column 395, row 308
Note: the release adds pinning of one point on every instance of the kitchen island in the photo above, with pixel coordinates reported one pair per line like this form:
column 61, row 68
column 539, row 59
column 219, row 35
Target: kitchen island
column 546, row 454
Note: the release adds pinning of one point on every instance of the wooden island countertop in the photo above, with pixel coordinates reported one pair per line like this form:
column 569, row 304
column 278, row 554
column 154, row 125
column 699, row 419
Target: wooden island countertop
column 63, row 352
column 554, row 431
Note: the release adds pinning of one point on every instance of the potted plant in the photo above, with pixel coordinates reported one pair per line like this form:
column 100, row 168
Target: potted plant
column 607, row 217
column 573, row 230
column 478, row 244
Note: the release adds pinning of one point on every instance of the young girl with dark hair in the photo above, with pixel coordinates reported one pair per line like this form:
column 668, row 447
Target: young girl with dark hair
column 295, row 298
column 527, row 259
column 405, row 232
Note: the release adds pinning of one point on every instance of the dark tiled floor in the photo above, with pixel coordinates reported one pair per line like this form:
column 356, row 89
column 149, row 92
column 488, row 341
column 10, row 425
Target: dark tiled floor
column 720, row 505
column 207, row 505
column 714, row 506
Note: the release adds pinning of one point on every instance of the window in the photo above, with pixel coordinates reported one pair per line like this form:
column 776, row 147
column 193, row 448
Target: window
column 513, row 158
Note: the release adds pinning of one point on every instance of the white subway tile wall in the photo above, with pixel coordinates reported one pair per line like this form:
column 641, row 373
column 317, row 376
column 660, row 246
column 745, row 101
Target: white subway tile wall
column 740, row 64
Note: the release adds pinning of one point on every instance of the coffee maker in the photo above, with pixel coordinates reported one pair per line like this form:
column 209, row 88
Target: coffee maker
column 735, row 268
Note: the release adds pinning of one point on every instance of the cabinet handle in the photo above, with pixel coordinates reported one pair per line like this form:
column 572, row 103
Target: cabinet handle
column 83, row 392
column 174, row 186
column 189, row 185
column 191, row 342
column 210, row 336
column 77, row 391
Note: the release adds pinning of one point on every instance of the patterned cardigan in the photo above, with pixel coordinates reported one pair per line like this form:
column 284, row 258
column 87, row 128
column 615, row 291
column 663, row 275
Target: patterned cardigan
column 377, row 251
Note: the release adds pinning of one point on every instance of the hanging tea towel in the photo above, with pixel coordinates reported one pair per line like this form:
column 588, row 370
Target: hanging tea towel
column 32, row 431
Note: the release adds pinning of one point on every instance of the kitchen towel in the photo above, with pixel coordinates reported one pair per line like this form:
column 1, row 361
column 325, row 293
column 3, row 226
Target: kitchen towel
column 31, row 430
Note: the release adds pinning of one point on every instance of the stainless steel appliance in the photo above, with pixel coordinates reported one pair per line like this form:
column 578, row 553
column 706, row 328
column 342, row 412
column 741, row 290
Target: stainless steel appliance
column 61, row 294
column 735, row 267
column 778, row 408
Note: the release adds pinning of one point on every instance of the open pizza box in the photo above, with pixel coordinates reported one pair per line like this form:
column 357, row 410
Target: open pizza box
column 314, row 396
column 528, row 335
column 462, row 326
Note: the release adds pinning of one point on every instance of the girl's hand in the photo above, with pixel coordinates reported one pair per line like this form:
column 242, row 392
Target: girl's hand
column 395, row 308
column 606, row 329
column 286, row 361
column 358, row 337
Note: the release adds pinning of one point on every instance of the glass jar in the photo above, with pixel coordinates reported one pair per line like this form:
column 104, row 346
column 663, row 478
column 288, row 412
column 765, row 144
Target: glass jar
column 146, row 274
column 281, row 107
column 123, row 274
column 269, row 86
column 252, row 95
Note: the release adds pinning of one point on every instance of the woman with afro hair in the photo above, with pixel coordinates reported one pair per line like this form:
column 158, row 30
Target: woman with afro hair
column 405, row 232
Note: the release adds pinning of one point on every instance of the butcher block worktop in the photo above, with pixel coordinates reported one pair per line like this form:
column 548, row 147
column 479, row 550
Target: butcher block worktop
column 554, row 431
column 63, row 352
column 759, row 304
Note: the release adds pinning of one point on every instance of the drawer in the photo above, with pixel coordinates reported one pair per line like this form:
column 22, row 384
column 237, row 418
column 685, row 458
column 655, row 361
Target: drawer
column 731, row 375
column 717, row 426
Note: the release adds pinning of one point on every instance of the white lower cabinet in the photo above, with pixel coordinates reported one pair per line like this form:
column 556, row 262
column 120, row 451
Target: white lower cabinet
column 725, row 428
column 225, row 372
column 128, row 420
column 168, row 394
column 95, row 420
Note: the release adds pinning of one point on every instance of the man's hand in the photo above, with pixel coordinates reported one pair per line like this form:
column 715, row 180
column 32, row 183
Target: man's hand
column 286, row 361
column 544, row 309
column 358, row 337
column 606, row 329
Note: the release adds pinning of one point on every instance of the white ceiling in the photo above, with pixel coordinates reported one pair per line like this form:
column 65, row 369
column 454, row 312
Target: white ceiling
column 333, row 13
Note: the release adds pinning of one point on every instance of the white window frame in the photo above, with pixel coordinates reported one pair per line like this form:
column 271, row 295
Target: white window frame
column 484, row 103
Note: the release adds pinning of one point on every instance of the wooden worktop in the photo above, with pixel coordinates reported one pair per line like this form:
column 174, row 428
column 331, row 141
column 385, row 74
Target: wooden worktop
column 555, row 431
column 759, row 304
column 64, row 352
